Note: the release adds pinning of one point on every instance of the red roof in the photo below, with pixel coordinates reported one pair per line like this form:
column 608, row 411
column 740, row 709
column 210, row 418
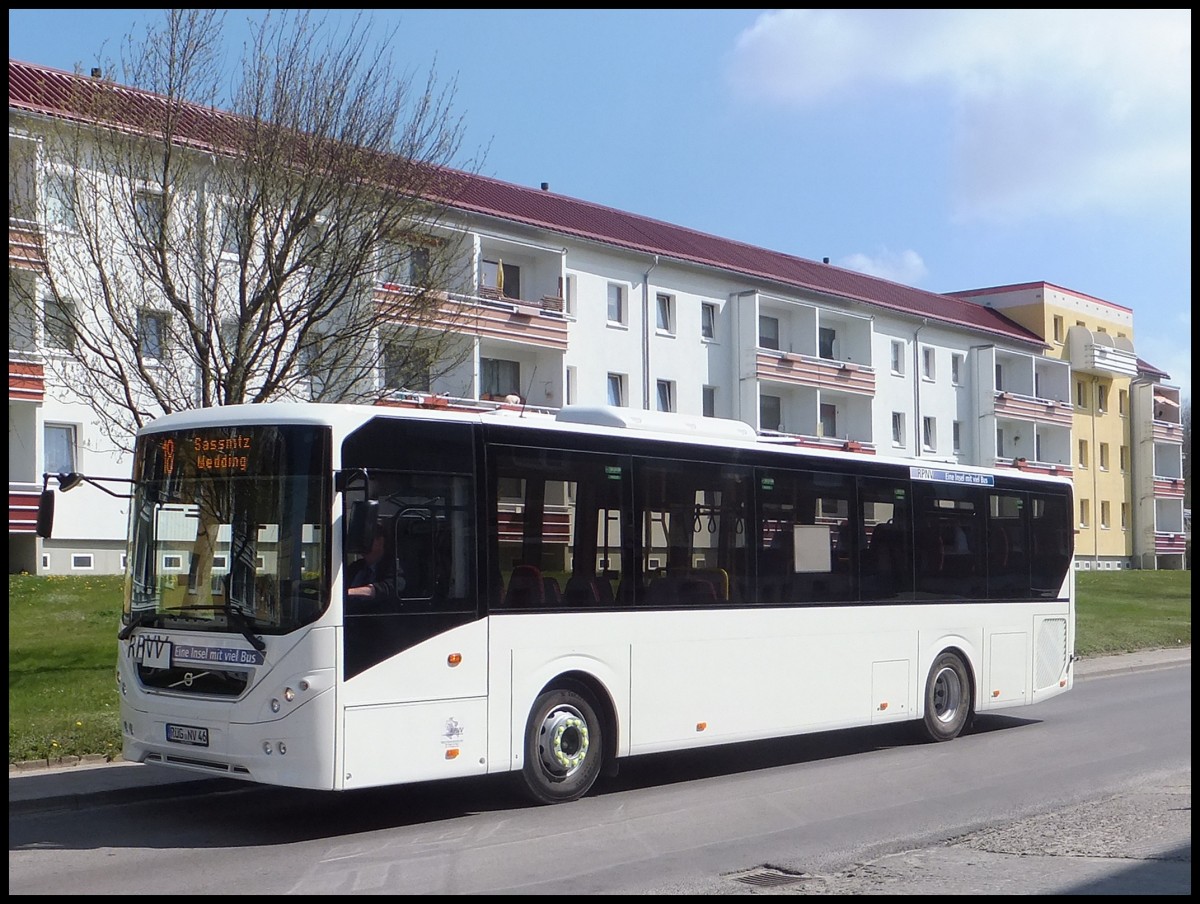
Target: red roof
column 38, row 89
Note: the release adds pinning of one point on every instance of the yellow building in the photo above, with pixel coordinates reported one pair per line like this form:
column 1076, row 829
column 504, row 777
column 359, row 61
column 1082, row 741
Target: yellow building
column 1126, row 431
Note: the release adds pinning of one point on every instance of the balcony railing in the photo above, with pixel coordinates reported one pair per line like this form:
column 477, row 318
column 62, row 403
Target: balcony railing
column 1032, row 408
column 819, row 373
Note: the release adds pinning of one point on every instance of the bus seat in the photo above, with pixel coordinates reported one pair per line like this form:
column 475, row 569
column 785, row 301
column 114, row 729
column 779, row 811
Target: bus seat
column 696, row 590
column 586, row 590
column 551, row 594
column 525, row 588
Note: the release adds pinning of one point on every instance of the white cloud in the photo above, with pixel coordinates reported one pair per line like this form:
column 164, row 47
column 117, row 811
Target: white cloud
column 1053, row 111
column 904, row 267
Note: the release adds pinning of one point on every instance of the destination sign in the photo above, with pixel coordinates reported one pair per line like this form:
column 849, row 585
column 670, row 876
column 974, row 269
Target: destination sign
column 942, row 475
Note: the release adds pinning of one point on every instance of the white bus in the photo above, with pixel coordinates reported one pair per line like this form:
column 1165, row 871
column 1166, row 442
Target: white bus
column 573, row 589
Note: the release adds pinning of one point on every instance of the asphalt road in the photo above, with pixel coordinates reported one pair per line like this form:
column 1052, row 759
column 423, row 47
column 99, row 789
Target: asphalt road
column 1133, row 838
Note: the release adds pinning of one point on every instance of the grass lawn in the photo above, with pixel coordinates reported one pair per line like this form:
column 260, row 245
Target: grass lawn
column 1123, row 611
column 62, row 649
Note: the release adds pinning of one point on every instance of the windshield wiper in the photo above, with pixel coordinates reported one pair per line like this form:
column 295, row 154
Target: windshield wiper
column 245, row 625
column 145, row 617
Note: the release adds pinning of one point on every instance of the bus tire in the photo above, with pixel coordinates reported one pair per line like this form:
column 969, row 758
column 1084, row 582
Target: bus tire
column 947, row 698
column 563, row 748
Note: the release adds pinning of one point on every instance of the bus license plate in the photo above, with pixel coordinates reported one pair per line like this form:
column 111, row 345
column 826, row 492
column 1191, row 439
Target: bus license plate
column 187, row 734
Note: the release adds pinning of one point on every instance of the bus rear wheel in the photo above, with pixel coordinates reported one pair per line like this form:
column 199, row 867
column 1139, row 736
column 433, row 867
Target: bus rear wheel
column 947, row 698
column 563, row 748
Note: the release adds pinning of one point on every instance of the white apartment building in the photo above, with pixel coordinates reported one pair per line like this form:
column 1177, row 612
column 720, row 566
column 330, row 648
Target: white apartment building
column 569, row 302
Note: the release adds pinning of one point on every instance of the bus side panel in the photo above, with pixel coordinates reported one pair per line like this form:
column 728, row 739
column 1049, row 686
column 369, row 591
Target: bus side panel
column 776, row 679
column 414, row 742
column 419, row 715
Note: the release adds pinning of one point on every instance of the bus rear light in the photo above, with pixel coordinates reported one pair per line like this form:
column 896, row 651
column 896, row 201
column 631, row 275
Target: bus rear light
column 700, row 726
column 883, row 706
column 451, row 753
column 453, row 659
column 995, row 693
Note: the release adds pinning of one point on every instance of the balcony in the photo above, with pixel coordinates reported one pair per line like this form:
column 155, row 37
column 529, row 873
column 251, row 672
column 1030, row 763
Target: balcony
column 1099, row 354
column 1169, row 544
column 23, row 507
column 26, row 380
column 1030, row 408
column 539, row 324
column 819, row 373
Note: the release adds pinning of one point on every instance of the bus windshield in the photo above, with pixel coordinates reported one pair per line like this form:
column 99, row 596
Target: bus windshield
column 229, row 529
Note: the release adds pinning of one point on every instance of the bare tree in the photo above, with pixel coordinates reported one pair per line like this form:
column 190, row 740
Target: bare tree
column 288, row 239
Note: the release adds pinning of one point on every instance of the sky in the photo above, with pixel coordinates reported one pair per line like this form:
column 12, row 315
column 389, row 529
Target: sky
column 943, row 149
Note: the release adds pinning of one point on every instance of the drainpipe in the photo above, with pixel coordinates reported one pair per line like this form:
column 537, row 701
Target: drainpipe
column 646, row 336
column 917, row 426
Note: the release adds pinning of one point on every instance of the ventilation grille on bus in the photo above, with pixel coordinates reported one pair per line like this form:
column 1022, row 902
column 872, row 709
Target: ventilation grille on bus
column 1051, row 652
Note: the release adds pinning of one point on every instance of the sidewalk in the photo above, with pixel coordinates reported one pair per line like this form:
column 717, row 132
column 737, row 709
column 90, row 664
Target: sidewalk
column 38, row 787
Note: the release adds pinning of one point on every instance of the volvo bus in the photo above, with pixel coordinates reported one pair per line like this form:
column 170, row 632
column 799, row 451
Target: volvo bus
column 567, row 589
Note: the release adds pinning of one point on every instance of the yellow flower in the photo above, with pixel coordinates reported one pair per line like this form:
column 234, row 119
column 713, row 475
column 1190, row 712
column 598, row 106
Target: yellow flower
column 79, row 725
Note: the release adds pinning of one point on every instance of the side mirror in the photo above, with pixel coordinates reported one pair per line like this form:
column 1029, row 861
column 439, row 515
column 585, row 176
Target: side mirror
column 45, row 515
column 364, row 514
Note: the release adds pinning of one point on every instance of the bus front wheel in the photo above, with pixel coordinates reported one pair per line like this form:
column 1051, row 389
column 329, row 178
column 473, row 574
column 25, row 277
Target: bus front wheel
column 947, row 698
column 563, row 748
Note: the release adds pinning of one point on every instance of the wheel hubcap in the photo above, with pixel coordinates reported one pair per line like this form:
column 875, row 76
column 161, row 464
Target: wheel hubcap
column 947, row 695
column 563, row 741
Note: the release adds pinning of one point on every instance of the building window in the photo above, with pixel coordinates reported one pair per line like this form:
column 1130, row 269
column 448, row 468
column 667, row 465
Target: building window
column 152, row 334
column 1083, row 453
column 1058, row 328
column 82, row 561
column 666, row 395
column 569, row 389
column 60, row 201
column 46, row 562
column 59, row 323
column 956, row 368
column 999, row 442
column 616, row 303
column 501, row 278
column 1085, row 514
column 1104, row 456
column 828, row 415
column 928, row 368
column 827, row 343
column 709, row 401
column 1122, row 402
column 569, row 294
column 1104, row 511
column 1124, row 453
column 616, row 389
column 499, row 378
column 929, row 434
column 897, row 428
column 1080, row 395
column 708, row 320
column 770, row 413
column 665, row 313
column 405, row 367
column 172, row 562
column 61, row 448
column 956, row 436
column 124, row 561
column 1101, row 398
column 999, row 378
column 1124, row 516
column 897, row 357
column 149, row 212
column 768, row 332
